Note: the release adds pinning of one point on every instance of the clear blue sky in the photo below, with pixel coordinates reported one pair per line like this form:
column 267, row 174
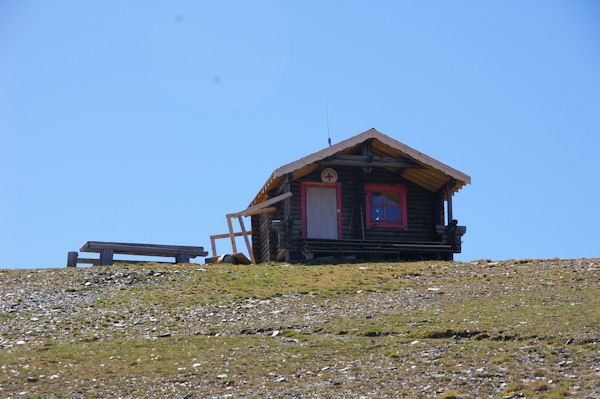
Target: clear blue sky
column 147, row 121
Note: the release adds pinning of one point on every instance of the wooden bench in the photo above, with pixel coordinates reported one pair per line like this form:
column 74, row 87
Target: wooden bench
column 182, row 254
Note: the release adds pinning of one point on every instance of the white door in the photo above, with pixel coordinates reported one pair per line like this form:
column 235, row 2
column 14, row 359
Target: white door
column 321, row 212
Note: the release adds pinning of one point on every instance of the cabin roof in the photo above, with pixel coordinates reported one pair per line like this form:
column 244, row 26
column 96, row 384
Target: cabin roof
column 432, row 176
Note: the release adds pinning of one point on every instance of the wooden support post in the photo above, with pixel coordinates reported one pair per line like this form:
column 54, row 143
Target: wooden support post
column 439, row 208
column 248, row 246
column 231, row 235
column 213, row 246
column 106, row 257
column 449, row 201
column 182, row 258
column 449, row 186
column 72, row 259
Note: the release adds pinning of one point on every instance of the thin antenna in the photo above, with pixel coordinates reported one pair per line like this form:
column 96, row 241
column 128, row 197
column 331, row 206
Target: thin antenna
column 327, row 111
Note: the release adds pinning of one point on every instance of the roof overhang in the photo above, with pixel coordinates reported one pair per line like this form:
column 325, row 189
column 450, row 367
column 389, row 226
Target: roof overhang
column 432, row 174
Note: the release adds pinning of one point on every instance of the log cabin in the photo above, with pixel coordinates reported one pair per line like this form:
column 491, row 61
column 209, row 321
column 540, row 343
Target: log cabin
column 367, row 197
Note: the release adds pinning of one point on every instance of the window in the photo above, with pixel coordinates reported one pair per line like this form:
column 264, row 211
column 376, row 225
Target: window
column 386, row 206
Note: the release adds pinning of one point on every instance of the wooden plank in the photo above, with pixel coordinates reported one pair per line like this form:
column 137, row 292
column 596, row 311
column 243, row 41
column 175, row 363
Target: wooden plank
column 264, row 204
column 132, row 250
column 142, row 249
column 248, row 246
column 358, row 246
column 261, row 211
column 109, row 244
column 371, row 161
column 390, row 246
column 226, row 235
column 381, row 242
column 213, row 246
column 231, row 234
column 88, row 260
column 367, row 164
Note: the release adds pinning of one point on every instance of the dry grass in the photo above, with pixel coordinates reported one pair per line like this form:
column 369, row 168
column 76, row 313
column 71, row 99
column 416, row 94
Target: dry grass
column 421, row 329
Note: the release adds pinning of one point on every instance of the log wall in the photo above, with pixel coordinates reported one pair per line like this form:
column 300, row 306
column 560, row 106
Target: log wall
column 264, row 244
column 425, row 210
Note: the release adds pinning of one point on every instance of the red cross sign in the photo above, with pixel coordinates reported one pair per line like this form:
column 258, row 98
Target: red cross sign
column 329, row 175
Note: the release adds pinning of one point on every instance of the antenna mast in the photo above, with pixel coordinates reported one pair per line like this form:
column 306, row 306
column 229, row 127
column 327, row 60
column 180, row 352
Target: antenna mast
column 327, row 112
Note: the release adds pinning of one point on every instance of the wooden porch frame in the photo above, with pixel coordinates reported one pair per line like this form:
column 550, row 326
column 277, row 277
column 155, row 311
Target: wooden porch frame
column 215, row 237
column 257, row 209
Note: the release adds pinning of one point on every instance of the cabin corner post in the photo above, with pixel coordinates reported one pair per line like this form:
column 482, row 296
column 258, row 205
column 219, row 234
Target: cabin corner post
column 453, row 232
column 287, row 203
column 287, row 211
column 449, row 186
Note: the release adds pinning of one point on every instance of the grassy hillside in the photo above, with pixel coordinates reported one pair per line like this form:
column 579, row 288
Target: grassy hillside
column 482, row 329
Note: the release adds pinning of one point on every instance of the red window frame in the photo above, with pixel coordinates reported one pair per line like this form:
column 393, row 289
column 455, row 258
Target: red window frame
column 337, row 186
column 402, row 224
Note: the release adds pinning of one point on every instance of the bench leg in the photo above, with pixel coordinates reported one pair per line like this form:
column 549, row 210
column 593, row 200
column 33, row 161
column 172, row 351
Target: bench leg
column 106, row 257
column 181, row 258
column 72, row 259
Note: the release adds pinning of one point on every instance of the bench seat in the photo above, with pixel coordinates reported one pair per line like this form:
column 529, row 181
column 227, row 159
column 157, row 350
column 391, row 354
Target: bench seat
column 181, row 253
column 143, row 249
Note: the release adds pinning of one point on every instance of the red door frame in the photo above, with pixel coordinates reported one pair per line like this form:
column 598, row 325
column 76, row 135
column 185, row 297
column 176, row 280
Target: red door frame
column 338, row 188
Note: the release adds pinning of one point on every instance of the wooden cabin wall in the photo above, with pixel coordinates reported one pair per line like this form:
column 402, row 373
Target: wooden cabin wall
column 256, row 243
column 264, row 243
column 425, row 209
